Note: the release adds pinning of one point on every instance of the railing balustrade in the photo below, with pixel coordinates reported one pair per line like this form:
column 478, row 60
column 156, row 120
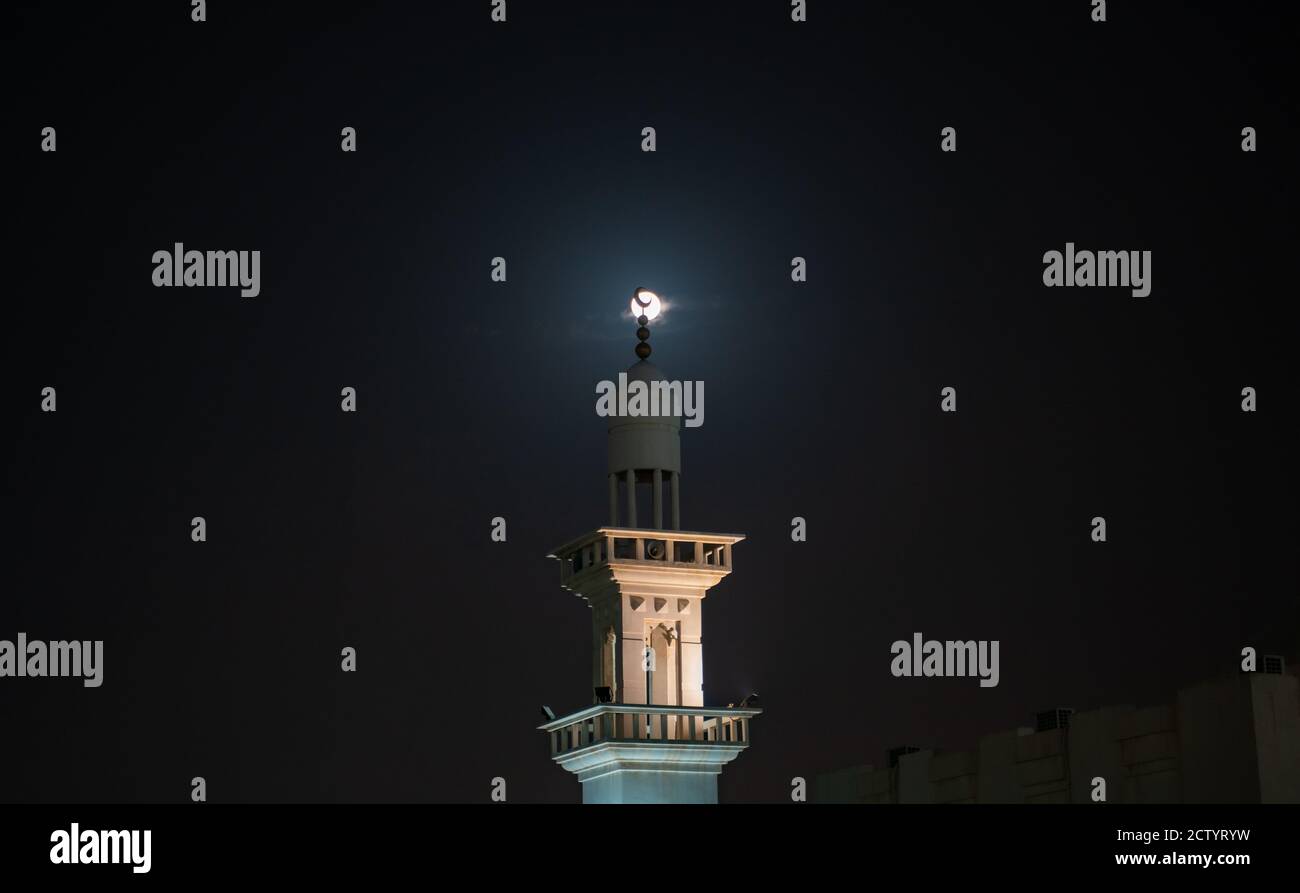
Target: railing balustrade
column 645, row 722
column 672, row 548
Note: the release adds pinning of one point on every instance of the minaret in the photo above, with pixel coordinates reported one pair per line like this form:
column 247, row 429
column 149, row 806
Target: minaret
column 647, row 738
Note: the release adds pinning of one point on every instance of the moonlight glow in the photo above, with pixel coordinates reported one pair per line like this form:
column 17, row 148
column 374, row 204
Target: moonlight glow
column 645, row 303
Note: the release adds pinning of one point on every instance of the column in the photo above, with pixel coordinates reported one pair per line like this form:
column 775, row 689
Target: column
column 631, row 497
column 674, row 477
column 657, row 501
column 613, row 500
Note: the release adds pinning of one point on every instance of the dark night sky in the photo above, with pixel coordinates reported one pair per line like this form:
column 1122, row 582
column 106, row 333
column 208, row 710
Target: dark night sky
column 476, row 398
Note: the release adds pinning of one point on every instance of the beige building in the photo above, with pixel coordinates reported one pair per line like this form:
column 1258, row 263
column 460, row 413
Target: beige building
column 1234, row 740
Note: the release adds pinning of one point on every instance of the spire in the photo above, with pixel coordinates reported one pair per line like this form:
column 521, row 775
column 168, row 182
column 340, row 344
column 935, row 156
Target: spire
column 645, row 307
column 645, row 451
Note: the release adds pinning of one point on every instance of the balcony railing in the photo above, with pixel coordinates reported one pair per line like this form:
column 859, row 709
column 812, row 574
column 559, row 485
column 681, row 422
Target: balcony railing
column 624, row 723
column 672, row 548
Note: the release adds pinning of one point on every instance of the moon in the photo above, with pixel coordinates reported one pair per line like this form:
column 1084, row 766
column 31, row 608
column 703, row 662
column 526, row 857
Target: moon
column 645, row 303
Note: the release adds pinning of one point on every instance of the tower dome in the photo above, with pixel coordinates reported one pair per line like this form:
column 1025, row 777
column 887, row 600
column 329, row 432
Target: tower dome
column 647, row 442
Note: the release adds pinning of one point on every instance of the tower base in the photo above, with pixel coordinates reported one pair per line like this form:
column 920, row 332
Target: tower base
column 650, row 771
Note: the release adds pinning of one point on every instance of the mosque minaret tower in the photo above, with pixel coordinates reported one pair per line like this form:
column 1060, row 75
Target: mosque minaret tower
column 647, row 738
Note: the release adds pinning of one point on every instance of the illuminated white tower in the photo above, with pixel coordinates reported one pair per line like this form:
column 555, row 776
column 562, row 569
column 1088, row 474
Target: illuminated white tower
column 647, row 738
